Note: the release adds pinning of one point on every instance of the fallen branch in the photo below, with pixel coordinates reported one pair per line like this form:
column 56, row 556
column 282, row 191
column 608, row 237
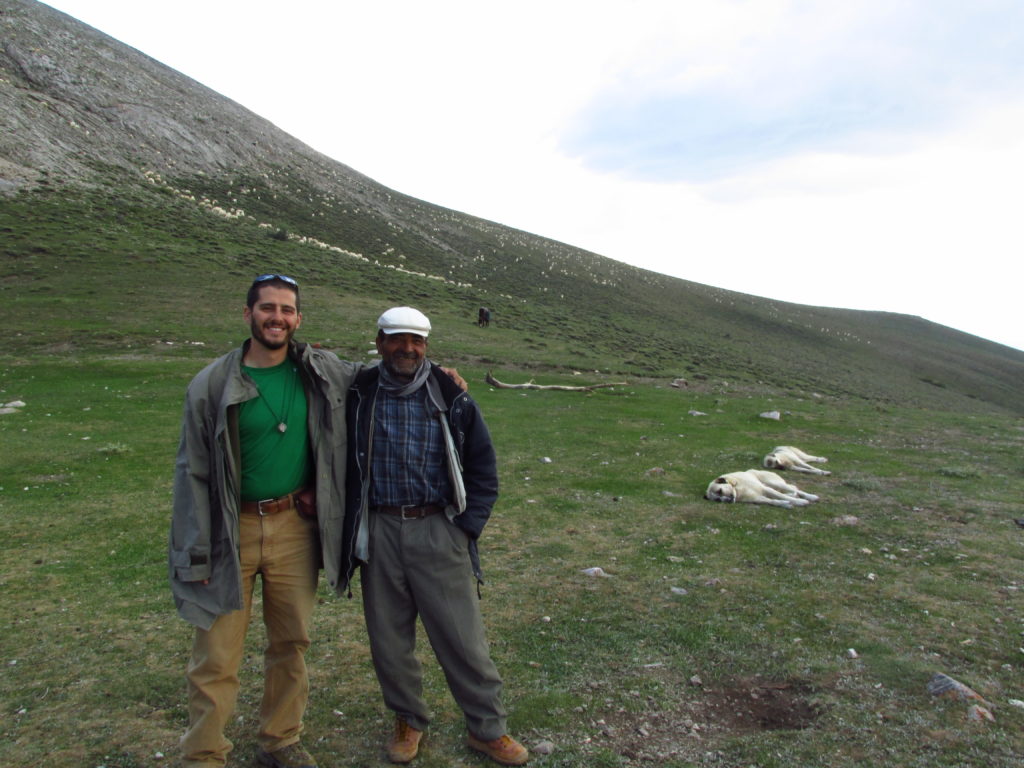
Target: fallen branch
column 562, row 388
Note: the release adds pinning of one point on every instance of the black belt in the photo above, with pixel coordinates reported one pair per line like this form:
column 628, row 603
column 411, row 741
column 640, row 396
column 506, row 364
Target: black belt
column 409, row 511
column 271, row 506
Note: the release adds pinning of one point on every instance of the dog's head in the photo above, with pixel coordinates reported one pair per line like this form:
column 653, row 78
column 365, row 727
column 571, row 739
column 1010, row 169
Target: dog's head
column 720, row 489
column 771, row 461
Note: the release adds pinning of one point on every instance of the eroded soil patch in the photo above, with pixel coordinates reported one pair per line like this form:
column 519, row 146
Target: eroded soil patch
column 680, row 728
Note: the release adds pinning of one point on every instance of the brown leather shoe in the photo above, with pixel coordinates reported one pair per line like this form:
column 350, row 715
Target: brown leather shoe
column 292, row 756
column 504, row 749
column 404, row 744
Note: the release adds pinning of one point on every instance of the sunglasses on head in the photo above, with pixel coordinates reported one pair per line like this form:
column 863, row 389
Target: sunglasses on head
column 271, row 276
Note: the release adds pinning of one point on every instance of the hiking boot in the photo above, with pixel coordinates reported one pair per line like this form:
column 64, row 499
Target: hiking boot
column 404, row 744
column 504, row 749
column 292, row 756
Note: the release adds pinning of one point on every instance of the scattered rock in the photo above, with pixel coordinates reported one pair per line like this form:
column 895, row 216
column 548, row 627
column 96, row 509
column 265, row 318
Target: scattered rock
column 596, row 571
column 978, row 713
column 679, row 383
column 1016, row 703
column 946, row 687
column 654, row 472
column 851, row 653
column 697, row 413
column 545, row 460
column 679, row 591
column 543, row 748
column 775, row 415
column 846, row 520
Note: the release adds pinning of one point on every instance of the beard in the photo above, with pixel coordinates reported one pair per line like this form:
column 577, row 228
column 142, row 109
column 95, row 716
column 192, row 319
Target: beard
column 259, row 336
column 402, row 366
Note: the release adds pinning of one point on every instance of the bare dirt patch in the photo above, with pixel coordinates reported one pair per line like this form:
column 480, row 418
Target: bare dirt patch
column 674, row 729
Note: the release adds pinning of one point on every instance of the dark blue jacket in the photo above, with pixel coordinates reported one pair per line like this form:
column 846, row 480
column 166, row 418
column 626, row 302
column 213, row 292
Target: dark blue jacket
column 472, row 444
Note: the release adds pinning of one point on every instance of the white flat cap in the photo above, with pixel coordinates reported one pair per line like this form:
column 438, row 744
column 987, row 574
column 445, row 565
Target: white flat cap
column 404, row 320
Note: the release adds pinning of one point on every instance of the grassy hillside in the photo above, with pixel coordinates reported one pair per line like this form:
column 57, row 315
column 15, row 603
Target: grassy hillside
column 118, row 263
column 136, row 208
column 720, row 635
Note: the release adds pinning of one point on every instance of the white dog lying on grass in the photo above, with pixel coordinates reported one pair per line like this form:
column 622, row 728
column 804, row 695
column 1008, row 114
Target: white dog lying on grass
column 788, row 457
column 757, row 486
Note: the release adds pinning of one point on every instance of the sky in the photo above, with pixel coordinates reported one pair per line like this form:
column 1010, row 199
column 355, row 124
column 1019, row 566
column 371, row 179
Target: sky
column 866, row 155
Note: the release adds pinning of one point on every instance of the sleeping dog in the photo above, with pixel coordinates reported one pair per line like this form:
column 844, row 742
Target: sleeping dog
column 757, row 486
column 788, row 457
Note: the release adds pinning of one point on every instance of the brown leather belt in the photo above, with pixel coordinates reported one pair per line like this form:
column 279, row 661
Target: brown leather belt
column 409, row 512
column 270, row 506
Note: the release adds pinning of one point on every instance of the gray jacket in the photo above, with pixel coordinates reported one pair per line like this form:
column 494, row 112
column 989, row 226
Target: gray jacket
column 207, row 478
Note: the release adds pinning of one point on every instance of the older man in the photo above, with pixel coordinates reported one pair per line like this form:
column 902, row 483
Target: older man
column 422, row 481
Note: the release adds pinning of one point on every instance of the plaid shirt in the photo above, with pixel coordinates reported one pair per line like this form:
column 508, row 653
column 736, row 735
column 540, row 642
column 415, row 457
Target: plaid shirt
column 409, row 465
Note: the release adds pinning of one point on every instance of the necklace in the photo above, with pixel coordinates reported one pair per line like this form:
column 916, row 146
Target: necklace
column 289, row 396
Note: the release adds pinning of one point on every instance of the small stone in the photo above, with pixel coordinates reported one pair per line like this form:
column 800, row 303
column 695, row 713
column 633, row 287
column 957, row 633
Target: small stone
column 852, row 654
column 946, row 687
column 978, row 713
column 543, row 748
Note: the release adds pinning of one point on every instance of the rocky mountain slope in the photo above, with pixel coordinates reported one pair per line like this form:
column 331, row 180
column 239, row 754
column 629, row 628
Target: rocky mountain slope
column 81, row 112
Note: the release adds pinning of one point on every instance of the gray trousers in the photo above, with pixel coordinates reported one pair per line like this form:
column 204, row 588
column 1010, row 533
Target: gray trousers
column 421, row 567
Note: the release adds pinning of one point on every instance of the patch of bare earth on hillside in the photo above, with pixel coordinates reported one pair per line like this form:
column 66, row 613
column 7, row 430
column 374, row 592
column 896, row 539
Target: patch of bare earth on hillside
column 692, row 727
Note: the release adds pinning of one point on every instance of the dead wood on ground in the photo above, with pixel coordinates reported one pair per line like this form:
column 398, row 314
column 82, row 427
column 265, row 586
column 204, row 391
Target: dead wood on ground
column 559, row 387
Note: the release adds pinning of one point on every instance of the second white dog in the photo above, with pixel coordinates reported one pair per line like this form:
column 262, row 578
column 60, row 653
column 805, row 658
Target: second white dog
column 788, row 457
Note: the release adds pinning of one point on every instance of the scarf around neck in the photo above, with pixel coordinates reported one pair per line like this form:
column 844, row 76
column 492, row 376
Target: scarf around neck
column 397, row 388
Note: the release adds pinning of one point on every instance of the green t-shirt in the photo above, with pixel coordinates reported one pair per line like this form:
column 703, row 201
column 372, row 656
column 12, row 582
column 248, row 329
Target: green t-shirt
column 275, row 461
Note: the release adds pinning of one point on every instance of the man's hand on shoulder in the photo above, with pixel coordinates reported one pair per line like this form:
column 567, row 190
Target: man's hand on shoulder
column 453, row 374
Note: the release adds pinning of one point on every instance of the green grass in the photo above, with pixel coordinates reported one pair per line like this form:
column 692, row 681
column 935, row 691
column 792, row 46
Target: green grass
column 720, row 635
column 93, row 653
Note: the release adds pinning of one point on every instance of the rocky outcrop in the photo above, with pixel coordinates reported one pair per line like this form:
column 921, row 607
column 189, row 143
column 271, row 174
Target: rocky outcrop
column 72, row 98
